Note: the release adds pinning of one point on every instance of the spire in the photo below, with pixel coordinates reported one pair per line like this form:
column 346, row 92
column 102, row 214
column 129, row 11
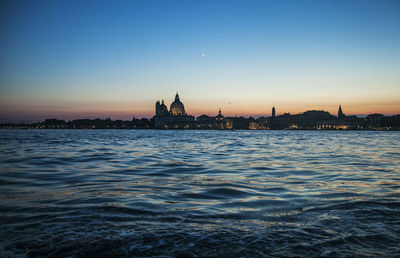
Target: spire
column 177, row 97
column 273, row 111
column 162, row 102
column 340, row 112
column 219, row 117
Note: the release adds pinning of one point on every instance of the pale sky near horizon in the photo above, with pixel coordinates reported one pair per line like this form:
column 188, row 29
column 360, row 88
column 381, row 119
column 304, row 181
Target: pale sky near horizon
column 77, row 59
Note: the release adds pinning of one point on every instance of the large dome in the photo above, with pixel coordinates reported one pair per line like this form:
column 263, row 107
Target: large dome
column 177, row 108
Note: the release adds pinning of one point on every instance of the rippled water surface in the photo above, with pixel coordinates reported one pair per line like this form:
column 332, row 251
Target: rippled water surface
column 199, row 193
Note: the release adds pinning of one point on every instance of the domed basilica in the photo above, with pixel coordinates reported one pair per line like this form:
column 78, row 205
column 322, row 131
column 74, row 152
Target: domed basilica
column 177, row 108
column 176, row 117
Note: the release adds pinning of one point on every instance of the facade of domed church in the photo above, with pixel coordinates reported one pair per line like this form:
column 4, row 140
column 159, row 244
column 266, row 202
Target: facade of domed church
column 175, row 118
column 177, row 108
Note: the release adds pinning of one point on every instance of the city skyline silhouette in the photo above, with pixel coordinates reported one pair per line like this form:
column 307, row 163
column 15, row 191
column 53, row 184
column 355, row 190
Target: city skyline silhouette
column 176, row 117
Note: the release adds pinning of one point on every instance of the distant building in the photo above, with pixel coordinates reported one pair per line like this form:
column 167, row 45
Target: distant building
column 261, row 123
column 175, row 118
column 341, row 115
column 177, row 108
column 212, row 122
column 253, row 126
column 273, row 112
column 161, row 109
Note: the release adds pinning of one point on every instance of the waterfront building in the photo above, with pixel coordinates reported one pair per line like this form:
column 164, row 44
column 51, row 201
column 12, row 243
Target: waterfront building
column 261, row 123
column 341, row 115
column 175, row 118
column 211, row 122
column 253, row 126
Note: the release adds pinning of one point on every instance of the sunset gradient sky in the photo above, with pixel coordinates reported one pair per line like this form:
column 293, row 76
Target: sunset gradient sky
column 86, row 59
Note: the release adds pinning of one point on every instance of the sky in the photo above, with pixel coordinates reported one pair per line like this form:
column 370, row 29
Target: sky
column 87, row 59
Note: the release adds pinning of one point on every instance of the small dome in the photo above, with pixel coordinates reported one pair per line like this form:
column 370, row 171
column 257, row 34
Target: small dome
column 177, row 108
column 163, row 106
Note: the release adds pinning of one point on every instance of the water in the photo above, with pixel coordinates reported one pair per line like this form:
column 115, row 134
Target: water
column 199, row 193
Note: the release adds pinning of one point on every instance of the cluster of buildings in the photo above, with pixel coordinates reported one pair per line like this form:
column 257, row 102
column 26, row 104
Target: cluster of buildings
column 177, row 118
column 322, row 120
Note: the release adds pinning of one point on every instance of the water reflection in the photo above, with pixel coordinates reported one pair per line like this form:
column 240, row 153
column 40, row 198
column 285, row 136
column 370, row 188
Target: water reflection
column 284, row 193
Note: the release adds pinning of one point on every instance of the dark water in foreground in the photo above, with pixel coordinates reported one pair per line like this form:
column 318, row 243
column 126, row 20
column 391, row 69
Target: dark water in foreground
column 199, row 193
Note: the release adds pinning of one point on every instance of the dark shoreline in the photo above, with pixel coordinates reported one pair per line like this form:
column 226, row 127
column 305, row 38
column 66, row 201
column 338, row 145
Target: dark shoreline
column 192, row 129
column 309, row 120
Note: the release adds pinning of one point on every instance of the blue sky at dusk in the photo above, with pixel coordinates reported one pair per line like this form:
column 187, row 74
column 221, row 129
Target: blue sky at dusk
column 76, row 59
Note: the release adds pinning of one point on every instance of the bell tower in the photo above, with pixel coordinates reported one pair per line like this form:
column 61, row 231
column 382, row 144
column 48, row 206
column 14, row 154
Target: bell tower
column 157, row 108
column 340, row 112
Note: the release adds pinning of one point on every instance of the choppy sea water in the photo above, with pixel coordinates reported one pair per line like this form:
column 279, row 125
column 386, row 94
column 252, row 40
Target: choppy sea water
column 199, row 193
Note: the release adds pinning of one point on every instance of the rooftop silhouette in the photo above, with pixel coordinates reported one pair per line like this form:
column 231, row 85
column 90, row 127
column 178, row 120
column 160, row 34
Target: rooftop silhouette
column 177, row 118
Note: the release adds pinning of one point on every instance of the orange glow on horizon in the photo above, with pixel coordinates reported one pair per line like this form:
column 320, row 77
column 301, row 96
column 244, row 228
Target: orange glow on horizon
column 146, row 108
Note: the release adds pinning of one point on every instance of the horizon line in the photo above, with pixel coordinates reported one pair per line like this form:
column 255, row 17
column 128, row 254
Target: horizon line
column 255, row 116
